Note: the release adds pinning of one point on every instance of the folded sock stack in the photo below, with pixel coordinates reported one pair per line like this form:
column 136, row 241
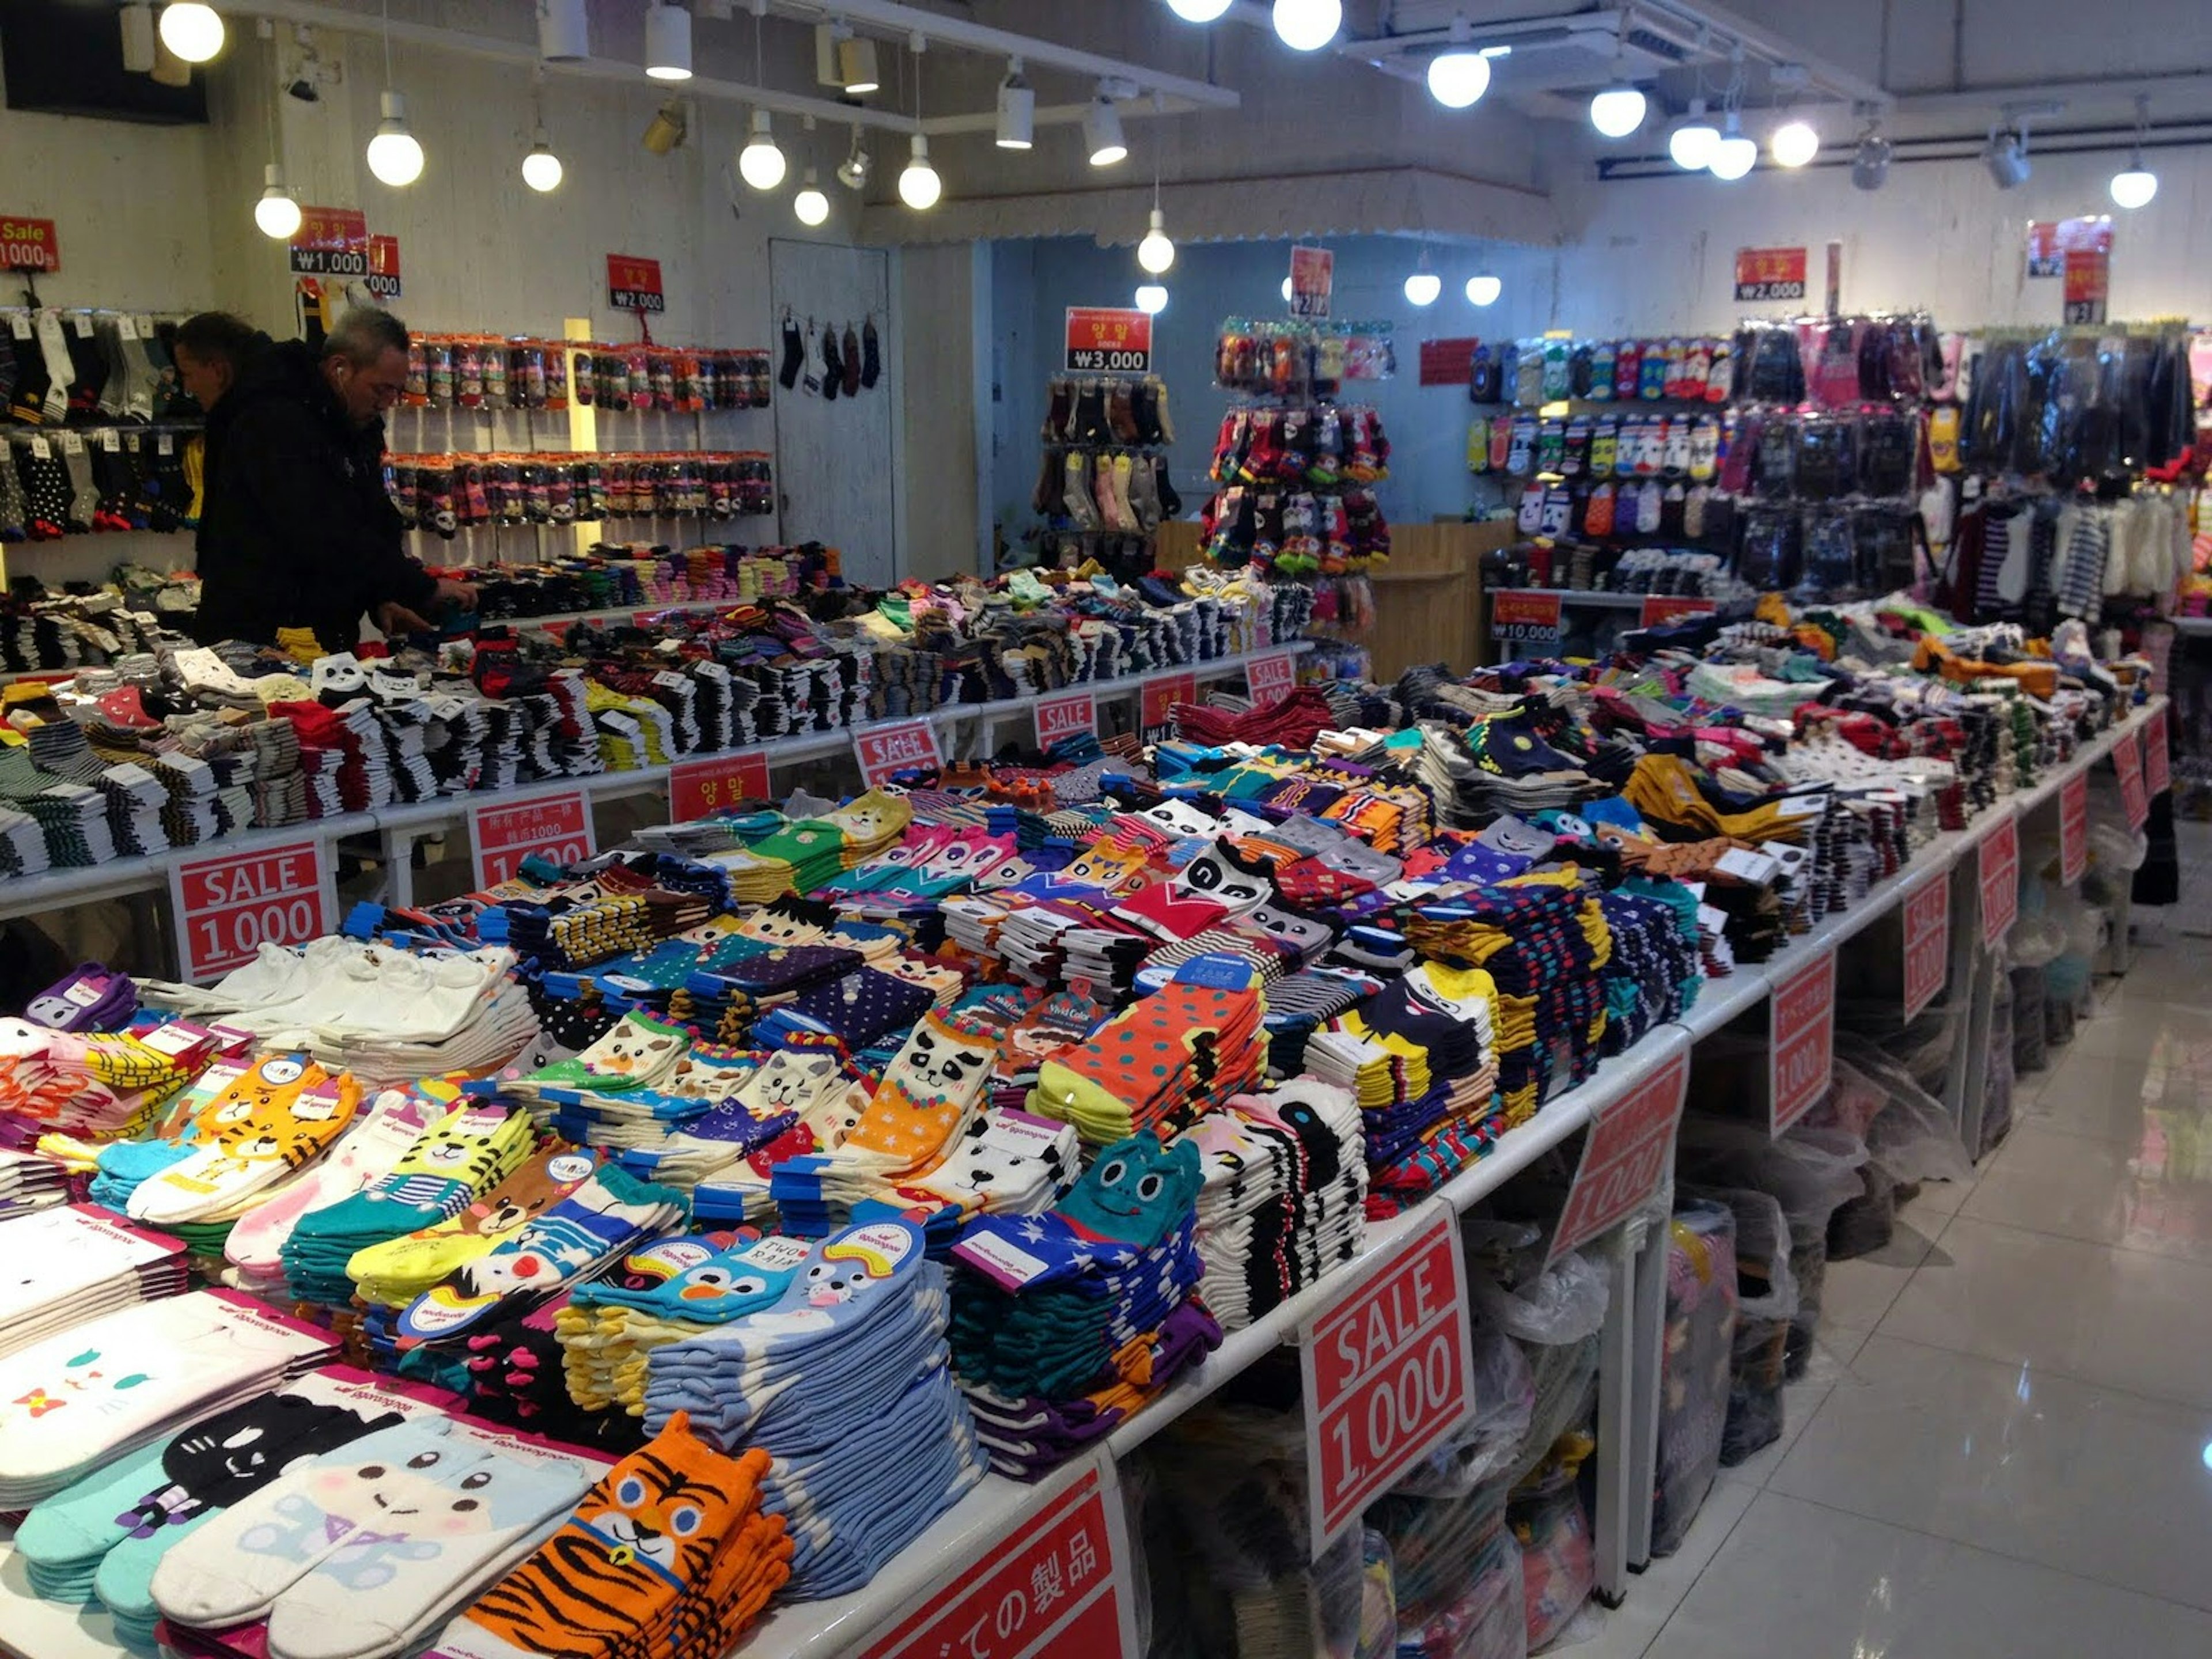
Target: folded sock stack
column 67, row 1265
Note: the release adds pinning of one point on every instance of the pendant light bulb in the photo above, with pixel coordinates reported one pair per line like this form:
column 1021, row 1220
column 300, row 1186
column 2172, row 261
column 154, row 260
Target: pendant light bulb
column 1286, row 290
column 1156, row 253
column 1692, row 143
column 1484, row 289
column 1152, row 298
column 1424, row 285
column 918, row 187
column 276, row 213
column 541, row 168
column 1197, row 11
column 1459, row 74
column 1617, row 111
column 1736, row 155
column 1794, row 144
column 1308, row 25
column 2135, row 187
column 193, row 32
column 393, row 155
column 810, row 205
column 760, row 163
column 667, row 42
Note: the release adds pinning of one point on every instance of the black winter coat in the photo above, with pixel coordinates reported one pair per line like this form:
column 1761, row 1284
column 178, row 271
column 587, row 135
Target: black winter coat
column 295, row 527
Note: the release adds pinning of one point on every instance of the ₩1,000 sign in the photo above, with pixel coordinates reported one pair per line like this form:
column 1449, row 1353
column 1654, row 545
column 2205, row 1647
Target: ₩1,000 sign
column 502, row 834
column 1802, row 1053
column 1927, row 942
column 1625, row 1156
column 1065, row 714
column 228, row 905
column 2127, row 763
column 895, row 747
column 1386, row 1375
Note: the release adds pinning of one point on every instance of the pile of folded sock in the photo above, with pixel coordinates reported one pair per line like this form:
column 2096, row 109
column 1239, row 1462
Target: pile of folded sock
column 69, row 1265
column 86, row 1396
column 1284, row 1195
column 669, row 1551
column 1064, row 1323
column 93, row 1086
column 29, row 1183
column 392, row 1272
column 1161, row 1062
column 844, row 1383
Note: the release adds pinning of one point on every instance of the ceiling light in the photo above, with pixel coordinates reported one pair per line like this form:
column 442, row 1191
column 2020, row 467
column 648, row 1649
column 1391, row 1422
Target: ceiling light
column 193, row 32
column 276, row 213
column 137, row 21
column 857, row 70
column 667, row 42
column 1424, row 285
column 1156, row 253
column 2135, row 187
column 1017, row 109
column 1459, row 74
column 1102, row 133
column 853, row 171
column 541, row 168
column 2006, row 157
column 1693, row 140
column 394, row 155
column 1870, row 164
column 1308, row 25
column 1736, row 155
column 1152, row 299
column 1197, row 11
column 564, row 31
column 1484, row 289
column 812, row 206
column 1794, row 144
column 919, row 185
column 760, row 163
column 1286, row 290
column 1617, row 111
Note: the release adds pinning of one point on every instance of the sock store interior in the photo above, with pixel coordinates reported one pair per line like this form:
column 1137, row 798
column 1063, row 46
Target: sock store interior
column 1180, row 828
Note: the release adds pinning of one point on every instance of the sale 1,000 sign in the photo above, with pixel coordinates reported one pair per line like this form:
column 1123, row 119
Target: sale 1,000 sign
column 228, row 905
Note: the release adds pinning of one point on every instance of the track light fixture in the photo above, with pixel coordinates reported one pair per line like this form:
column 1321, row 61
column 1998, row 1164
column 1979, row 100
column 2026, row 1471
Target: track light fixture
column 2006, row 157
column 1870, row 162
column 1017, row 109
column 1102, row 139
column 667, row 41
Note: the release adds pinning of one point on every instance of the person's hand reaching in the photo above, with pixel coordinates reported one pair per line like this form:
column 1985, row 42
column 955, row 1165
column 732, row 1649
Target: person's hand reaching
column 461, row 595
column 395, row 619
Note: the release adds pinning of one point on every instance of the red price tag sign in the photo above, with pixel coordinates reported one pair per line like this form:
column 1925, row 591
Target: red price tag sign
column 228, row 905
column 698, row 789
column 2127, row 761
column 504, row 834
column 1070, row 715
column 1927, row 942
column 330, row 242
column 1770, row 273
column 895, row 746
column 1524, row 617
column 1271, row 678
column 1313, row 275
column 1448, row 363
column 1054, row 1585
column 1102, row 338
column 2085, row 251
column 1999, row 871
column 634, row 285
column 2157, row 776
column 1661, row 608
column 28, row 244
column 1160, row 695
column 1802, row 1054
column 384, row 267
column 1386, row 1376
column 1623, row 1156
column 2072, row 829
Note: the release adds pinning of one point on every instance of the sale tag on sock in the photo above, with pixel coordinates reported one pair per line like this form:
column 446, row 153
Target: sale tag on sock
column 228, row 905
column 1627, row 1152
column 502, row 834
column 1387, row 1373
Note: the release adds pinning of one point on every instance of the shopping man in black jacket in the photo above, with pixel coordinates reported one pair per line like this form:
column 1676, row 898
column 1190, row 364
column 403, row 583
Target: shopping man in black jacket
column 296, row 530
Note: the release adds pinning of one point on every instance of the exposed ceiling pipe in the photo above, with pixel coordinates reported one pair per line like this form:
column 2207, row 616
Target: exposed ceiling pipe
column 1954, row 147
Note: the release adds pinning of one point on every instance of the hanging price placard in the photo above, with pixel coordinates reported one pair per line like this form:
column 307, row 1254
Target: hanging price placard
column 634, row 285
column 1927, row 942
column 330, row 242
column 1998, row 869
column 698, row 789
column 1767, row 274
column 503, row 834
column 1103, row 339
column 1625, row 1156
column 1519, row 617
column 1662, row 608
column 1801, row 1059
column 28, row 244
column 1065, row 714
column 2127, row 763
column 894, row 746
column 228, row 905
column 1270, row 678
column 1386, row 1375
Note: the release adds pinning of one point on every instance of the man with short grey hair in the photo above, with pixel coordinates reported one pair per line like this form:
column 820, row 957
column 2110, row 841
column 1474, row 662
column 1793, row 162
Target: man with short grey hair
column 298, row 535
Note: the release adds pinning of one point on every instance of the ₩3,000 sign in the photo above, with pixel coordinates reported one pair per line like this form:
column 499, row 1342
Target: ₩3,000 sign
column 1108, row 340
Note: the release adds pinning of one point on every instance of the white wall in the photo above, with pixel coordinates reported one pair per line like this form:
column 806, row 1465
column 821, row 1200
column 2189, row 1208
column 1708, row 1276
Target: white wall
column 1659, row 255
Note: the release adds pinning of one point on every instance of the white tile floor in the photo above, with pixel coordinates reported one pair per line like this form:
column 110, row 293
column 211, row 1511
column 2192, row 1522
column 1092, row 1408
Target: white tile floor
column 2003, row 1448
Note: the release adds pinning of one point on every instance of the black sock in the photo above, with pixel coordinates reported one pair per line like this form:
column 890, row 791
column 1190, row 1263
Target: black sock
column 1171, row 504
column 871, row 360
column 88, row 364
column 852, row 355
column 794, row 356
column 833, row 372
